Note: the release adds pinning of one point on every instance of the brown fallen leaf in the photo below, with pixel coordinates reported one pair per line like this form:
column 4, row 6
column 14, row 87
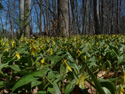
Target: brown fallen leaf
column 104, row 74
column 91, row 89
column 35, row 90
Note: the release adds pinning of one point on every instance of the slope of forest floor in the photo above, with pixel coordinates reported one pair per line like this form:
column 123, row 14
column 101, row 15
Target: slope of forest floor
column 74, row 65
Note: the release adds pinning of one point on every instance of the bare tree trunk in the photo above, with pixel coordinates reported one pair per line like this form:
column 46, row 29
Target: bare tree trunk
column 47, row 18
column 96, row 17
column 40, row 26
column 102, row 16
column 111, row 16
column 70, row 19
column 84, row 17
column 9, row 13
column 21, row 17
column 77, row 19
column 12, row 32
column 73, row 17
column 27, row 5
column 118, row 16
column 63, row 17
column 90, row 18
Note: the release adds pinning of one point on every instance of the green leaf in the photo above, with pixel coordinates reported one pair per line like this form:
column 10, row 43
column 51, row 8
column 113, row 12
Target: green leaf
column 56, row 89
column 108, row 84
column 35, row 83
column 56, row 59
column 70, row 57
column 3, row 65
column 121, row 59
column 50, row 90
column 97, row 85
column 62, row 69
column 15, row 68
column 28, row 78
column 107, row 91
column 70, row 87
column 21, row 50
column 41, row 92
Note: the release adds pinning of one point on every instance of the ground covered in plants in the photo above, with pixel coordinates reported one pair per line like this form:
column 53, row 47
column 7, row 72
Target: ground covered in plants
column 55, row 65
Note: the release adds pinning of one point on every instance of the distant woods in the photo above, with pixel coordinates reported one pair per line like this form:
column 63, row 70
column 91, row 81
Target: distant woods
column 61, row 17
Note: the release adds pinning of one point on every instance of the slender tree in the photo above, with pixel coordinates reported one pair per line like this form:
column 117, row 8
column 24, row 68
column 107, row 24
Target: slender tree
column 27, row 6
column 117, row 14
column 96, row 17
column 63, row 18
column 21, row 17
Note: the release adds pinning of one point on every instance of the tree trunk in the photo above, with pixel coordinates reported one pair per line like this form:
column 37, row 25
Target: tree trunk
column 13, row 18
column 70, row 19
column 40, row 26
column 96, row 17
column 21, row 17
column 102, row 16
column 63, row 18
column 27, row 5
column 118, row 12
column 84, row 16
column 111, row 16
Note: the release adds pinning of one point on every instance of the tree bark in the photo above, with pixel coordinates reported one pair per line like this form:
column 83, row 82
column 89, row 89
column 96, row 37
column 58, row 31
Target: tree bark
column 27, row 5
column 21, row 19
column 96, row 17
column 63, row 18
column 40, row 26
column 118, row 12
column 102, row 16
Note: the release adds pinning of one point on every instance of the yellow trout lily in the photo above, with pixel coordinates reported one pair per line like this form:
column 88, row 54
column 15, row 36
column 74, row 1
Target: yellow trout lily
column 81, row 81
column 85, row 57
column 123, row 78
column 121, row 90
column 68, row 68
column 17, row 55
column 79, row 52
column 42, row 62
column 12, row 43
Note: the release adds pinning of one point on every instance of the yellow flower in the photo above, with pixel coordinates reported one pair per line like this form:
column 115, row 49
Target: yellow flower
column 53, row 42
column 59, row 46
column 121, row 90
column 33, row 50
column 99, row 57
column 22, row 38
column 123, row 40
column 85, row 57
column 64, row 61
column 97, row 44
column 79, row 52
column 81, row 81
column 17, row 55
column 123, row 77
column 51, row 51
column 65, row 41
column 89, row 45
column 12, row 43
column 42, row 62
column 6, row 49
column 3, row 44
column 67, row 66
